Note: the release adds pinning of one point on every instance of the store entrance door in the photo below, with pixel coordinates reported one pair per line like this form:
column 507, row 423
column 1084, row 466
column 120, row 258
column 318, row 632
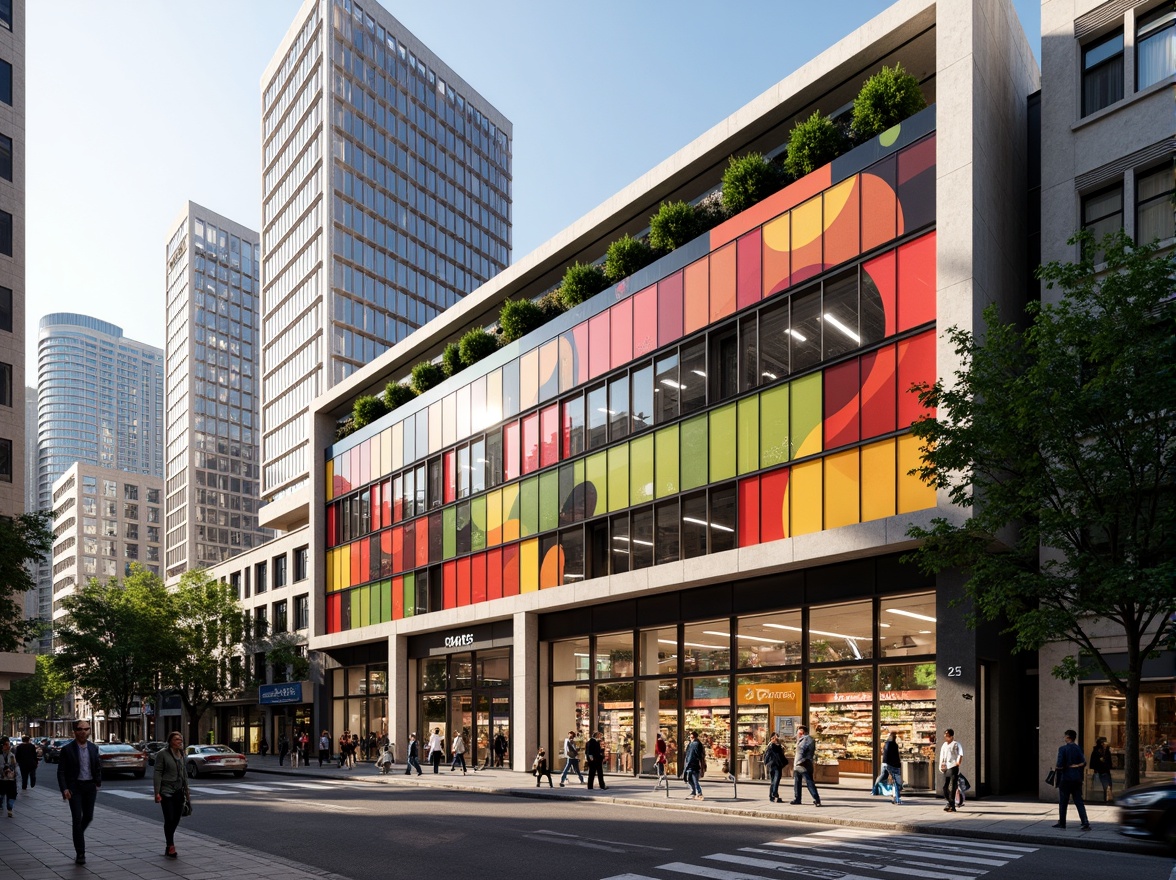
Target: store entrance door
column 493, row 719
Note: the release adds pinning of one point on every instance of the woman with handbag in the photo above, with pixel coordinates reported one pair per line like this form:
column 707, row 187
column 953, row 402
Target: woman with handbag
column 171, row 788
column 7, row 774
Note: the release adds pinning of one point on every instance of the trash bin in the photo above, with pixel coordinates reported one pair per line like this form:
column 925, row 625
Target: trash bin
column 917, row 774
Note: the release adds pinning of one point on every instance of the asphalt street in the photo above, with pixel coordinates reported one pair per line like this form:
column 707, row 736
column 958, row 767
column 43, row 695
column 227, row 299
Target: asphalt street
column 359, row 830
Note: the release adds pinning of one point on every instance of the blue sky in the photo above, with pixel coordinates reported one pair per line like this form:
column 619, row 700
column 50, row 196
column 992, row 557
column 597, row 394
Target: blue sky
column 135, row 106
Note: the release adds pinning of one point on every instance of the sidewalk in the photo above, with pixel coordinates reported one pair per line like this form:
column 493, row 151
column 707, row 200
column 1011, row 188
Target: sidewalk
column 37, row 845
column 1016, row 819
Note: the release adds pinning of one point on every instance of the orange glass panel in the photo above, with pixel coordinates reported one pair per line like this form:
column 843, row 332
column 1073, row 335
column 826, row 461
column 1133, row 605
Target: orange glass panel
column 697, row 296
column 842, row 217
column 806, row 240
column 879, row 204
column 879, row 473
column 748, row 275
column 916, row 282
column 669, row 309
column 722, row 282
column 777, row 255
column 841, row 489
column 510, row 570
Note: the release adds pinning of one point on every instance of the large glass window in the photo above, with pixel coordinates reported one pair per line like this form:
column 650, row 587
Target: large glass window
column 1102, row 73
column 769, row 640
column 6, row 82
column 1102, row 213
column 764, row 704
column 841, row 715
column 1155, row 214
column 659, row 650
column 571, row 660
column 1155, row 46
column 614, row 722
column 706, row 647
column 641, row 396
column 906, row 625
column 773, row 343
column 658, row 702
column 5, row 157
column 666, row 389
column 6, row 309
column 840, row 314
column 841, row 632
column 805, row 330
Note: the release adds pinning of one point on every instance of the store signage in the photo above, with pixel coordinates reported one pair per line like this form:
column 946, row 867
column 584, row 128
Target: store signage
column 784, row 698
column 270, row 694
column 459, row 641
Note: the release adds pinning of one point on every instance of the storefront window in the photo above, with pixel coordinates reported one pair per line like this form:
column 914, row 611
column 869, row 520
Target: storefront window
column 765, row 704
column 659, row 650
column 432, row 718
column 614, row 720
column 461, row 671
column 841, row 632
column 493, row 669
column 706, row 646
column 906, row 625
column 841, row 714
column 659, row 711
column 614, row 656
column 433, row 674
column 570, row 660
column 569, row 711
column 906, row 706
column 1104, row 714
column 707, row 709
column 769, row 640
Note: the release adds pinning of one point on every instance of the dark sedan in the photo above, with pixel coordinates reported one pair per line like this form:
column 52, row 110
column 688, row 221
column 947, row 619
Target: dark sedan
column 1149, row 811
column 53, row 752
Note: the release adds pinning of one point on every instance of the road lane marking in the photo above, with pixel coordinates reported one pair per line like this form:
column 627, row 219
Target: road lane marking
column 208, row 789
column 909, row 867
column 717, row 874
column 123, row 793
column 625, row 843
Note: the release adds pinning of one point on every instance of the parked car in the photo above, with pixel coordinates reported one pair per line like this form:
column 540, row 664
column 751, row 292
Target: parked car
column 151, row 748
column 1149, row 811
column 122, row 758
column 53, row 753
column 201, row 760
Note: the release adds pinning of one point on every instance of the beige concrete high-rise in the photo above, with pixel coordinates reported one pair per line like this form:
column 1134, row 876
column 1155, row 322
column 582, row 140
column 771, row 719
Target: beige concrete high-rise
column 386, row 199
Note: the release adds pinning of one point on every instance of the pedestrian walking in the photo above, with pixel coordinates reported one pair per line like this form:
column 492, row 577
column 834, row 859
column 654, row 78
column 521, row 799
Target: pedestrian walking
column 283, row 749
column 594, row 758
column 413, row 760
column 304, row 747
column 324, row 748
column 951, row 753
column 370, row 751
column 500, row 746
column 571, row 756
column 8, row 767
column 79, row 776
column 774, row 762
column 344, row 744
column 891, row 766
column 803, row 767
column 540, row 768
column 693, row 764
column 296, row 750
column 26, row 760
column 263, row 746
column 386, row 759
column 659, row 762
column 436, row 749
column 1071, row 771
column 353, row 751
column 1100, row 766
column 458, row 751
column 171, row 788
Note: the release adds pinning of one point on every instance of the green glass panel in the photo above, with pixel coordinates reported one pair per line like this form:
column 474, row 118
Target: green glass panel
column 665, row 462
column 805, row 411
column 693, row 453
column 478, row 523
column 449, row 532
column 385, row 601
column 409, row 595
column 618, row 477
column 641, row 470
column 529, row 507
column 722, row 443
column 748, row 435
column 549, row 500
column 774, row 426
column 365, row 607
column 596, row 476
column 377, row 614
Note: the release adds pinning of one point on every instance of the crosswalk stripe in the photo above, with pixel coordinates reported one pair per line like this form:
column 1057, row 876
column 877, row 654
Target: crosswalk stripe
column 975, row 844
column 794, row 868
column 998, row 848
column 313, row 786
column 937, row 872
column 630, row 877
column 129, row 794
column 718, row 874
column 248, row 786
column 883, row 852
column 208, row 789
column 936, row 854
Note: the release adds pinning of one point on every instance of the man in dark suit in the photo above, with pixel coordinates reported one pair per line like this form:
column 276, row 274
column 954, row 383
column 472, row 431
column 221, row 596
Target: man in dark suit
column 26, row 759
column 594, row 756
column 79, row 776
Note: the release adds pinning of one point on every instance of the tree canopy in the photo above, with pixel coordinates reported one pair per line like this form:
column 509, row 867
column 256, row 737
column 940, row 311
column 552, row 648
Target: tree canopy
column 1059, row 438
column 23, row 539
column 39, row 695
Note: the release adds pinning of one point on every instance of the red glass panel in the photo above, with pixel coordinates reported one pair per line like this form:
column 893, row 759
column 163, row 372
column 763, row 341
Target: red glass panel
column 363, row 575
column 598, row 345
column 397, row 598
column 580, row 355
column 494, row 574
column 749, row 276
column 644, row 321
column 916, row 184
column 449, row 475
column 842, row 384
column 478, row 582
column 510, row 450
column 356, row 551
column 878, row 283
column 773, row 518
column 422, row 541
column 332, row 513
column 333, row 603
column 449, row 585
column 621, row 328
column 669, row 309
column 386, row 503
column 549, row 435
column 916, row 365
column 510, row 570
column 879, row 204
column 530, row 443
column 465, row 582
column 722, row 282
column 376, row 507
column 842, row 217
column 696, row 285
column 878, row 393
column 397, row 549
column 386, row 568
column 749, row 512
column 916, row 282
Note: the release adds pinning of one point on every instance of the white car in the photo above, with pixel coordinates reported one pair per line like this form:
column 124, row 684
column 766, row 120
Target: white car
column 203, row 760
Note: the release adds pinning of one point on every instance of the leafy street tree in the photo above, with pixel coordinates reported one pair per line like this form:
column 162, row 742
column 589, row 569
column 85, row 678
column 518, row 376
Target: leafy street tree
column 23, row 539
column 1060, row 440
column 39, row 695
column 114, row 640
column 283, row 655
column 208, row 627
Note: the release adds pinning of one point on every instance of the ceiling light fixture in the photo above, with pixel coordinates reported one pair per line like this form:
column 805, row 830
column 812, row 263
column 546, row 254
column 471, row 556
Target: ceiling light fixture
column 910, row 614
column 832, row 320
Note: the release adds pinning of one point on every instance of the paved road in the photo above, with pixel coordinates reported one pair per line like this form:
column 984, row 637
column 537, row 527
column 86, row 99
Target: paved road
column 361, row 830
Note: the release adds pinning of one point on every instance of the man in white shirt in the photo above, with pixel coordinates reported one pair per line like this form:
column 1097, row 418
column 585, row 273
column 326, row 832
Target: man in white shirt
column 950, row 756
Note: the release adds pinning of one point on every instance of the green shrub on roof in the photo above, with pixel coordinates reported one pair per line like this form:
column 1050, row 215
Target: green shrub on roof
column 625, row 256
column 749, row 179
column 674, row 224
column 519, row 317
column 396, row 395
column 425, row 375
column 451, row 359
column 813, row 143
column 476, row 345
column 580, row 282
column 367, row 409
column 886, row 99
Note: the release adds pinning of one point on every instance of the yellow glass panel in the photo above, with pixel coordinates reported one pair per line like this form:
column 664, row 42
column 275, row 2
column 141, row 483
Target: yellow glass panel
column 596, row 474
column 529, row 566
column 806, row 223
column 618, row 477
column 665, row 460
column 330, row 570
column 386, row 466
column 330, row 478
column 494, row 518
column 841, row 489
column 510, row 512
column 805, row 489
column 878, row 480
column 345, row 567
column 913, row 493
column 641, row 470
column 747, row 438
column 529, row 379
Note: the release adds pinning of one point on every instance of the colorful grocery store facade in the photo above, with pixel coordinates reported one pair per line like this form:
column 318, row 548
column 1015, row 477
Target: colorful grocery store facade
column 683, row 504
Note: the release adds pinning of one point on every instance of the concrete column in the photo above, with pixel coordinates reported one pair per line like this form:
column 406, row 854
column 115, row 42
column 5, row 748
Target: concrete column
column 400, row 715
column 524, row 740
column 957, row 677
